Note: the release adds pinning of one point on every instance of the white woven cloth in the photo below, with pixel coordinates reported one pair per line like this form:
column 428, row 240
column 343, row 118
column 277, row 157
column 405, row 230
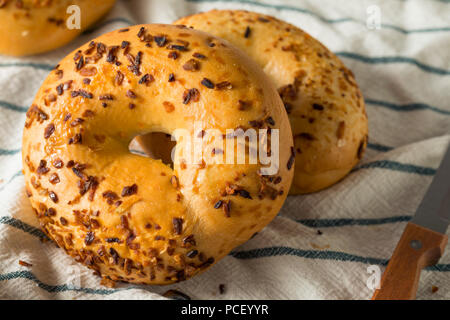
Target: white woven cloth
column 403, row 69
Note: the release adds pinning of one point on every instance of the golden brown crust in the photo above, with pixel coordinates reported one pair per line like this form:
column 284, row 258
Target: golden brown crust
column 34, row 26
column 133, row 218
column 325, row 106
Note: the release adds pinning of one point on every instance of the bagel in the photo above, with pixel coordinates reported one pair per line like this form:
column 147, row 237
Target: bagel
column 35, row 26
column 325, row 106
column 132, row 218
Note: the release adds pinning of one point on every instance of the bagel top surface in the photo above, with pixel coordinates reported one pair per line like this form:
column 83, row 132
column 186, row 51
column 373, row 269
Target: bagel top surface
column 325, row 106
column 133, row 218
column 35, row 26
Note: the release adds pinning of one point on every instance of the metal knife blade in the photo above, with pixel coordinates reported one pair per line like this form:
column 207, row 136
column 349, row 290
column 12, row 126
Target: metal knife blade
column 434, row 211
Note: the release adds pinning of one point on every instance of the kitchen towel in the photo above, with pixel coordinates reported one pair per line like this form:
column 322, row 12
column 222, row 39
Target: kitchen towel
column 326, row 245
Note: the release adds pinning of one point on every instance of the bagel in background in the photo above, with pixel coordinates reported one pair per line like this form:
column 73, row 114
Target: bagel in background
column 133, row 218
column 35, row 26
column 325, row 106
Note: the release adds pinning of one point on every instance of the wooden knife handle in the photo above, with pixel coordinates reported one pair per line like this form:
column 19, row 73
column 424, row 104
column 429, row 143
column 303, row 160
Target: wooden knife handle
column 418, row 248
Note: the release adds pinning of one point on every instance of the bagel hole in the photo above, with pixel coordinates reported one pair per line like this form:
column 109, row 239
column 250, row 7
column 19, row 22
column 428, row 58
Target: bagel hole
column 155, row 145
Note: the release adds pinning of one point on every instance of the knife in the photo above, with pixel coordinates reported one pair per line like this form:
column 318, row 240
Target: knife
column 423, row 241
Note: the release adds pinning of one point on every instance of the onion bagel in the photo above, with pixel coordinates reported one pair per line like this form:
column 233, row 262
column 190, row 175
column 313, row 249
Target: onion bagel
column 325, row 106
column 35, row 26
column 133, row 218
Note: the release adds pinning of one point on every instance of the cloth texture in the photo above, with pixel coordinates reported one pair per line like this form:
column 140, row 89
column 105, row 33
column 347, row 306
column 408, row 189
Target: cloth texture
column 320, row 245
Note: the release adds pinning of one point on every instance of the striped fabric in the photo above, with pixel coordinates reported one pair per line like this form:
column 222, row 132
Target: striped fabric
column 320, row 245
